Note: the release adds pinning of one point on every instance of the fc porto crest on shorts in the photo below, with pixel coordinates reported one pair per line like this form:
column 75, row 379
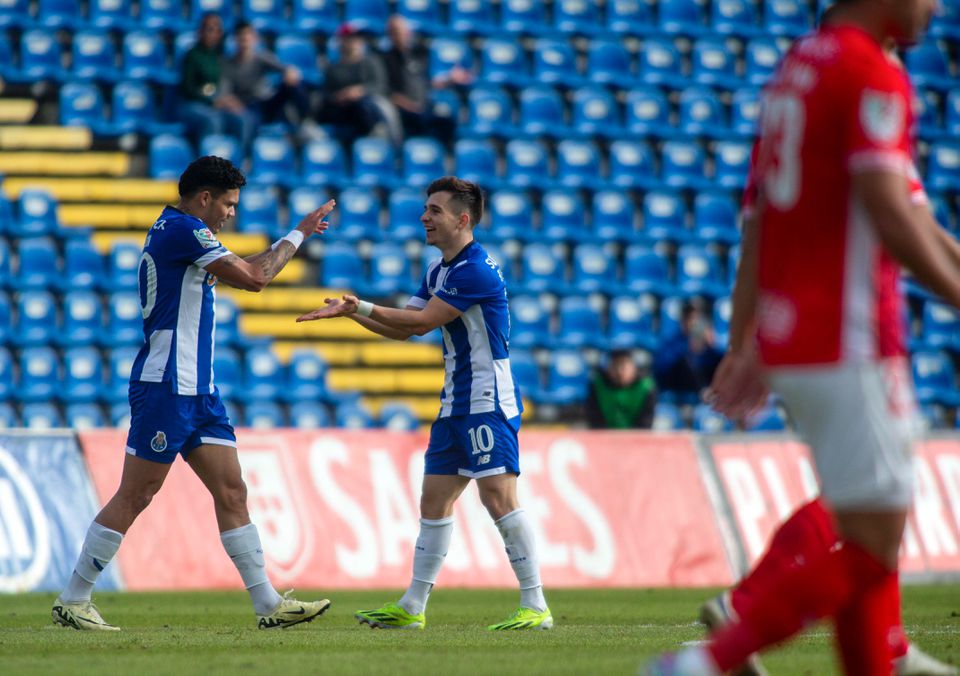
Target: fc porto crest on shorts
column 159, row 442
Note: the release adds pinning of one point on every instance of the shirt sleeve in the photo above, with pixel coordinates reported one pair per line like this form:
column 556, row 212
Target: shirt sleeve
column 879, row 122
column 420, row 299
column 469, row 283
column 196, row 244
column 918, row 195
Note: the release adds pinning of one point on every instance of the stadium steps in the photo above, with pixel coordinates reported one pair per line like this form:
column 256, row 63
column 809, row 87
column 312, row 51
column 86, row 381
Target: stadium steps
column 29, row 137
column 52, row 163
column 112, row 190
column 17, row 111
column 238, row 243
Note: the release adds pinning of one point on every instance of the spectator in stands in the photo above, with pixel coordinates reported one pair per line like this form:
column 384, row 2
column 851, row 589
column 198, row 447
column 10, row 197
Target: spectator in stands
column 355, row 91
column 621, row 395
column 247, row 75
column 407, row 64
column 204, row 107
column 688, row 355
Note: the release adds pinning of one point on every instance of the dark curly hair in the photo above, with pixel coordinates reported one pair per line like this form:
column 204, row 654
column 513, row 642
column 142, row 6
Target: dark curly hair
column 211, row 173
column 465, row 193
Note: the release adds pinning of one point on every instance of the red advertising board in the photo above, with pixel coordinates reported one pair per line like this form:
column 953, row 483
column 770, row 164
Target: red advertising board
column 338, row 509
column 766, row 479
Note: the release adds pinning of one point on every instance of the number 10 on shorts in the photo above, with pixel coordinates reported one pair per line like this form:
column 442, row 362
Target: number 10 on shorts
column 481, row 439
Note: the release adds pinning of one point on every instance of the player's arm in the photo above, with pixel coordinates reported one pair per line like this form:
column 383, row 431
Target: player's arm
column 401, row 323
column 255, row 272
column 381, row 329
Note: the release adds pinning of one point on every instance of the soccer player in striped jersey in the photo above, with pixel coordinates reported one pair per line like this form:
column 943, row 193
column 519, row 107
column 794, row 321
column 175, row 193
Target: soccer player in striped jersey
column 475, row 435
column 175, row 407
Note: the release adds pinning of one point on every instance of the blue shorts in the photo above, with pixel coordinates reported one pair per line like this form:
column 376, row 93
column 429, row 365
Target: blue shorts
column 164, row 424
column 475, row 445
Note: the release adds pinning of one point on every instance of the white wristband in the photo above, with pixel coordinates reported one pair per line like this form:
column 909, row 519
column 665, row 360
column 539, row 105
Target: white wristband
column 364, row 308
column 295, row 237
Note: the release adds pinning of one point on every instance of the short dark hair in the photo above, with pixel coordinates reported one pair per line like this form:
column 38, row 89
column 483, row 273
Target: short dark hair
column 465, row 193
column 211, row 173
column 242, row 26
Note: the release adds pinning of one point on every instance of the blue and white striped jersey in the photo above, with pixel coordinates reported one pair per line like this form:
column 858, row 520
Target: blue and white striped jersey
column 475, row 344
column 177, row 303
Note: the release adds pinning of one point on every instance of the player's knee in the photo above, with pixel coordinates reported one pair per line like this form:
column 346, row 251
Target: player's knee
column 232, row 497
column 497, row 503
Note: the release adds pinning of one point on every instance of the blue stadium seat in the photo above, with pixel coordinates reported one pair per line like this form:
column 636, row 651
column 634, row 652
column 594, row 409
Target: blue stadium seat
column 595, row 112
column 447, row 54
column 145, row 58
column 581, row 324
column 594, row 269
column 6, row 268
column 112, row 14
column 41, row 415
column 423, row 160
column 563, row 218
column 261, row 210
column 735, row 17
column 646, row 270
column 943, row 166
column 404, row 207
column 263, row 375
column 424, row 16
column 614, row 216
column 927, row 112
column 59, row 15
column 265, row 415
column 665, row 217
column 708, row 421
column 39, row 374
column 368, row 15
column 524, row 16
column 933, row 416
column 503, row 62
column 786, row 17
column 699, row 272
column 555, row 62
column 667, row 417
column 446, row 103
column 476, row 160
column 36, row 319
column 134, row 109
column 632, row 165
column 761, row 56
column 647, row 113
column 119, row 364
column 528, row 164
column 124, row 321
column 702, row 113
column 163, row 15
column 609, row 63
column 670, row 311
column 630, row 322
column 36, row 215
column 94, row 56
column 683, row 165
column 490, row 113
column 341, row 266
column 770, row 418
column 82, row 266
column 228, row 372
column 267, row 16
column 940, row 327
column 352, row 414
column 576, row 17
column 715, row 218
column 222, row 8
column 7, row 376
column 505, row 260
column 323, row 163
column 660, row 63
column 374, row 163
column 390, row 271
column 473, row 17
column 946, row 22
column 81, row 105
column 310, row 16
column 234, row 413
column 228, row 322
column 81, row 417
column 359, row 212
column 511, row 214
column 526, row 373
column 731, row 161
column 722, row 311
column 301, row 201
column 578, row 164
column 542, row 112
column 273, row 161
column 398, row 417
column 309, row 415
column 682, row 17
column 169, row 156
column 38, row 265
column 83, row 370
column 8, row 417
column 745, row 111
column 714, row 63
column 221, row 145
column 15, row 14
column 542, row 270
column 567, row 378
column 306, row 378
column 630, row 17
column 299, row 51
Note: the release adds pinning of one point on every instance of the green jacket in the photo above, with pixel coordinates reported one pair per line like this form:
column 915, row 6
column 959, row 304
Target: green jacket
column 621, row 408
column 200, row 74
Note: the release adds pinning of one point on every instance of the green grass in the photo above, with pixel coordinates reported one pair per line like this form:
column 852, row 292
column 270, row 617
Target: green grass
column 598, row 632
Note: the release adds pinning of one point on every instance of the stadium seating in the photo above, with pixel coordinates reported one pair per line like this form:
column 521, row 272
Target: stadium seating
column 83, row 375
column 82, row 319
column 7, row 383
column 40, row 379
column 374, row 164
column 38, row 264
column 41, row 415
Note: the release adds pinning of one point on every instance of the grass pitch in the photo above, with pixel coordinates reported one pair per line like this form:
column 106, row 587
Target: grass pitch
column 607, row 631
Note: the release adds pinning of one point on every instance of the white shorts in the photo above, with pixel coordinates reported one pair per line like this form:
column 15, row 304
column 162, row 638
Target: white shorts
column 860, row 422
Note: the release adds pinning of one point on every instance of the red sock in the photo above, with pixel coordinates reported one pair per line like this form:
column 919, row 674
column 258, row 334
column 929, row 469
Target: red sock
column 864, row 629
column 898, row 637
column 806, row 535
column 796, row 598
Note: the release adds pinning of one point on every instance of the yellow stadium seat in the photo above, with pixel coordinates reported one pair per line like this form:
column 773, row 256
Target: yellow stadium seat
column 394, row 353
column 419, row 380
column 364, row 380
column 17, row 111
column 334, row 353
column 111, row 190
column 64, row 164
column 35, row 137
column 284, row 326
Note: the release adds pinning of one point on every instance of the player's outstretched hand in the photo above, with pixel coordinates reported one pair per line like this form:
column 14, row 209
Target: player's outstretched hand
column 738, row 388
column 313, row 222
column 334, row 307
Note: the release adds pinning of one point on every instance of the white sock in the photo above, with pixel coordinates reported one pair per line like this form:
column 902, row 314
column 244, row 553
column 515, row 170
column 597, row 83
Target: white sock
column 243, row 546
column 521, row 549
column 99, row 547
column 428, row 556
column 695, row 661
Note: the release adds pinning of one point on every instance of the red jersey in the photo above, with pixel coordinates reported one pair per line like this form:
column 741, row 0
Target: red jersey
column 828, row 292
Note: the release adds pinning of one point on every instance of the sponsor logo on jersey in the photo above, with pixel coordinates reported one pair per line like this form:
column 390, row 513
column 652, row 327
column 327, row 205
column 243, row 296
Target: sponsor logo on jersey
column 159, row 442
column 206, row 238
column 25, row 545
column 450, row 292
column 211, row 280
column 882, row 115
